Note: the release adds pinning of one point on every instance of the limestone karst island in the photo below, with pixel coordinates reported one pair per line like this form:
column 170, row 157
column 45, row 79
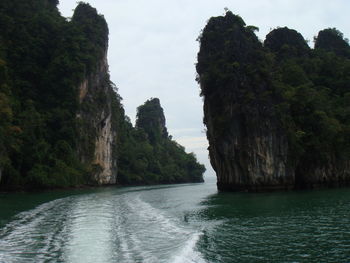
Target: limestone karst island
column 84, row 181
column 277, row 113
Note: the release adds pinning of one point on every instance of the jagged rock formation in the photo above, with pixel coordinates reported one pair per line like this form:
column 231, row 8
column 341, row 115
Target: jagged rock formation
column 150, row 118
column 258, row 114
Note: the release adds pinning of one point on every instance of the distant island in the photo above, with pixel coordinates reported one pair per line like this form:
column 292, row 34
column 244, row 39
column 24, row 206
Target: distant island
column 277, row 113
column 62, row 123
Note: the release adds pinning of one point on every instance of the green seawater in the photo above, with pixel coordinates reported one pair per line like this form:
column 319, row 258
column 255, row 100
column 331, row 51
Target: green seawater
column 175, row 223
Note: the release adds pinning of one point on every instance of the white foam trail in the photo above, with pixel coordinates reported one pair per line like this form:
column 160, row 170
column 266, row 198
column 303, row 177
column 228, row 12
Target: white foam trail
column 29, row 235
column 188, row 254
column 153, row 215
column 165, row 235
column 90, row 227
column 100, row 227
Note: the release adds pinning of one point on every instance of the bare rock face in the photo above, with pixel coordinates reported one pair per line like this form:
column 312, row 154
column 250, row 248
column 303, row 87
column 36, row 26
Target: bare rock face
column 333, row 173
column 249, row 158
column 98, row 134
column 104, row 153
column 248, row 147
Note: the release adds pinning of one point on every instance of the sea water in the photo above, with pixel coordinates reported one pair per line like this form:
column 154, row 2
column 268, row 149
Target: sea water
column 175, row 223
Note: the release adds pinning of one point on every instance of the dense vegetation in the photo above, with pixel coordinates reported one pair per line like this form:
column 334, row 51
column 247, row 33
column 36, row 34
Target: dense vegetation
column 315, row 87
column 149, row 155
column 43, row 60
column 305, row 91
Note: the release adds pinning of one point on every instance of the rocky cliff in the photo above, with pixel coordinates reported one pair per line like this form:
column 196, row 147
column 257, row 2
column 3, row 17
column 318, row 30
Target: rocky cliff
column 56, row 99
column 150, row 118
column 95, row 99
column 264, row 132
column 62, row 123
column 97, row 121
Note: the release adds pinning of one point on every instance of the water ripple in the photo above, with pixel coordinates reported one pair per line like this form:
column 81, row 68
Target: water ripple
column 107, row 226
column 187, row 224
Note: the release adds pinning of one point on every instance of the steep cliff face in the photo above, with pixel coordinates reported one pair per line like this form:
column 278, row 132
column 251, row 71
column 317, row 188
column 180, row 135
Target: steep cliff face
column 248, row 148
column 57, row 104
column 258, row 119
column 97, row 148
column 95, row 99
column 249, row 156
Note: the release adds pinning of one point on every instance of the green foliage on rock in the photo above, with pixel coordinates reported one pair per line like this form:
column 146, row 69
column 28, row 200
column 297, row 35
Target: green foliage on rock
column 331, row 39
column 49, row 122
column 303, row 91
column 150, row 118
column 43, row 59
column 314, row 85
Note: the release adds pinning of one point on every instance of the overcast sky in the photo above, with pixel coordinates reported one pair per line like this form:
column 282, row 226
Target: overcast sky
column 153, row 49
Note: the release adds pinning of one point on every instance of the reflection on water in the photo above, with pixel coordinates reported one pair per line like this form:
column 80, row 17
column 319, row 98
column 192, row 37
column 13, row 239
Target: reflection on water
column 181, row 223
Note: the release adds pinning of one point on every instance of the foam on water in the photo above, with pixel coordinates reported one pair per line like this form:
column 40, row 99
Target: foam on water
column 150, row 235
column 186, row 224
column 33, row 233
column 188, row 253
column 90, row 223
column 100, row 227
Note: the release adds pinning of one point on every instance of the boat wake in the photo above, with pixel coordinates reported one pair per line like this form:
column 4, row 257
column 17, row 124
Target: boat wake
column 99, row 227
column 147, row 234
